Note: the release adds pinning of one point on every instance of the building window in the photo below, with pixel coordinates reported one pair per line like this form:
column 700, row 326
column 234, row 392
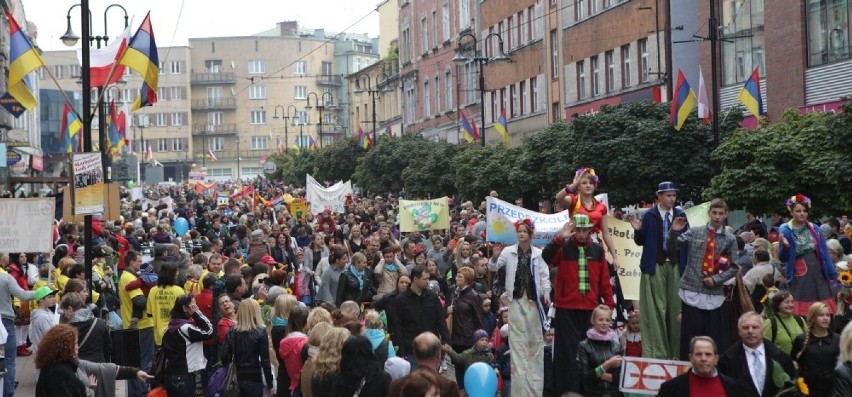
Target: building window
column 513, row 107
column 410, row 102
column 626, row 69
column 828, row 31
column 424, row 36
column 59, row 71
column 437, row 96
column 163, row 68
column 609, row 58
column 215, row 118
column 554, row 57
column 257, row 66
column 161, row 94
column 523, row 38
column 434, row 29
column 556, row 113
column 213, row 66
column 302, row 141
column 742, row 36
column 177, row 118
column 503, row 100
column 259, row 142
column 464, row 14
column 426, row 100
column 162, row 145
column 216, row 143
column 581, row 80
column 523, row 101
column 220, row 172
column 300, row 68
column 257, row 91
column 445, row 19
column 593, row 7
column 301, row 118
column 534, row 96
column 405, row 47
column 300, row 92
column 175, row 67
column 258, row 117
column 448, row 89
column 511, row 32
column 176, row 93
column 530, row 32
column 162, row 119
column 178, row 145
column 579, row 9
column 644, row 57
column 596, row 75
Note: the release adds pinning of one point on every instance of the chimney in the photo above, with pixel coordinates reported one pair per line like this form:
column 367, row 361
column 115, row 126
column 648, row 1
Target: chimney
column 288, row 28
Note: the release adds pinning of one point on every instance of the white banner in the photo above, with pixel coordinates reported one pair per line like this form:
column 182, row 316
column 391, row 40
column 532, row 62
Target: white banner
column 501, row 216
column 646, row 375
column 322, row 198
column 25, row 225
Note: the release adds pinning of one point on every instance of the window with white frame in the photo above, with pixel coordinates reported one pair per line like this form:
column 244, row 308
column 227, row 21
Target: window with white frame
column 522, row 28
column 626, row 69
column 405, row 46
column 258, row 117
column 521, row 103
column 215, row 118
column 175, row 67
column 163, row 68
column 257, row 91
column 300, row 92
column 609, row 58
column 434, row 29
column 513, row 92
column 495, row 106
column 302, row 141
column 596, row 75
column 176, row 93
column 469, row 82
column 162, row 94
column 213, row 65
column 162, row 119
column 259, row 142
column 554, row 57
column 581, row 80
column 593, row 7
column 256, row 66
column 644, row 58
column 216, row 143
column 410, row 102
column 464, row 14
column 162, row 145
column 427, row 111
column 448, row 89
column 327, row 140
column 437, row 95
column 220, row 172
column 301, row 118
column 178, row 145
column 445, row 19
column 424, row 36
column 530, row 19
column 327, row 119
column 300, row 67
column 534, row 96
column 579, row 9
column 177, row 118
column 511, row 35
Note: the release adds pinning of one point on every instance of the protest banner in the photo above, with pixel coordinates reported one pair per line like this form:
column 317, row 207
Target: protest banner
column 298, row 208
column 196, row 177
column 628, row 256
column 698, row 215
column 88, row 184
column 421, row 215
column 646, row 375
column 322, row 198
column 25, row 225
column 500, row 217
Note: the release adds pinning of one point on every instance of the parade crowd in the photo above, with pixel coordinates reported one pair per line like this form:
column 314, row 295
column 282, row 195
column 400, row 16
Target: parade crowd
column 344, row 304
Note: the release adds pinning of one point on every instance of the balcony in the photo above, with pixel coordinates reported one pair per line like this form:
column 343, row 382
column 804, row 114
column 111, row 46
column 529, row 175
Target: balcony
column 214, row 104
column 212, row 78
column 231, row 155
column 221, row 129
column 329, row 80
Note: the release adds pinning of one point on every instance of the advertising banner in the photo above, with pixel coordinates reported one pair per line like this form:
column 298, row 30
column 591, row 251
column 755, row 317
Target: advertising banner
column 422, row 215
column 88, row 184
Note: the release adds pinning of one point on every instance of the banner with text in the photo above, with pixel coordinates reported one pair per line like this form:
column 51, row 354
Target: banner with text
column 628, row 256
column 322, row 198
column 646, row 375
column 421, row 215
column 25, row 225
column 88, row 184
column 501, row 216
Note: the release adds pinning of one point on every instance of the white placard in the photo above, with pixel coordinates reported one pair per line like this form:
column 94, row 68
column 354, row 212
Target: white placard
column 26, row 224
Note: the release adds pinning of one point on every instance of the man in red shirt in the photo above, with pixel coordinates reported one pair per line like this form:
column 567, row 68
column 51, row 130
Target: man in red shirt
column 703, row 379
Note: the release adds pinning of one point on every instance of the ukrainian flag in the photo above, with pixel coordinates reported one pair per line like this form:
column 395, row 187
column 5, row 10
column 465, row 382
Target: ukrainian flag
column 23, row 60
column 750, row 94
column 502, row 126
column 683, row 103
column 141, row 56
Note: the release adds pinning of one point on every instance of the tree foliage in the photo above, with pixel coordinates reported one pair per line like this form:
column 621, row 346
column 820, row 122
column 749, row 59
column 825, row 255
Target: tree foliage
column 337, row 162
column 380, row 170
column 545, row 163
column 293, row 166
column 479, row 170
column 433, row 173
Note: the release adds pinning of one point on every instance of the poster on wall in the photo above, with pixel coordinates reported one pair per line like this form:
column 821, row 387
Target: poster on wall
column 88, row 184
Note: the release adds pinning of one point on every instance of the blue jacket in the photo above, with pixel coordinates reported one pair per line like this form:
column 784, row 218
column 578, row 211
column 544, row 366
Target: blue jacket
column 650, row 238
column 788, row 254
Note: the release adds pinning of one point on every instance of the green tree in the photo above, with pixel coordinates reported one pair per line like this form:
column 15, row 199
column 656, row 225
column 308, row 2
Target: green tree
column 336, row 162
column 546, row 162
column 479, row 170
column 432, row 173
column 380, row 169
column 293, row 166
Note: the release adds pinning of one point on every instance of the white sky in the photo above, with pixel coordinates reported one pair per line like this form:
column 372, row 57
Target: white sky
column 202, row 18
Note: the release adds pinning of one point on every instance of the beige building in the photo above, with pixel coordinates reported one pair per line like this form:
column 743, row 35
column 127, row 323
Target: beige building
column 377, row 84
column 388, row 25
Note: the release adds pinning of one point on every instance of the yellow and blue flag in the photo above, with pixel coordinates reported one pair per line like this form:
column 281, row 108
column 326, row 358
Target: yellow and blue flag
column 683, row 103
column 23, row 60
column 71, row 125
column 750, row 94
column 502, row 126
column 141, row 56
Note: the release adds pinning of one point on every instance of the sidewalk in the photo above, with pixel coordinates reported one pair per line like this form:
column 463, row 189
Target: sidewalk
column 25, row 374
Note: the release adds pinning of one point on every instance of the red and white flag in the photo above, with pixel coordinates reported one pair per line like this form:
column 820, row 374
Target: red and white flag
column 149, row 154
column 212, row 156
column 703, row 104
column 102, row 60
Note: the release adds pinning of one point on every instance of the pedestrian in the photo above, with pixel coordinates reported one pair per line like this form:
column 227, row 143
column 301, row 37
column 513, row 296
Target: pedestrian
column 360, row 372
column 9, row 288
column 247, row 345
column 817, row 350
column 58, row 364
column 599, row 357
column 182, row 347
column 843, row 371
column 783, row 326
column 417, row 310
column 702, row 379
column 327, row 362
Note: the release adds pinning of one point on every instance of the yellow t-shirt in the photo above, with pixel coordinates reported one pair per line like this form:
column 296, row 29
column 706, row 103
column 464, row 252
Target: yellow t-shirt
column 41, row 282
column 161, row 300
column 126, row 299
column 199, row 286
column 192, row 287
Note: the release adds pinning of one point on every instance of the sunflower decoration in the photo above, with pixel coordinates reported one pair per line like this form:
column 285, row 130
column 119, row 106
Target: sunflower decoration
column 803, row 387
column 845, row 277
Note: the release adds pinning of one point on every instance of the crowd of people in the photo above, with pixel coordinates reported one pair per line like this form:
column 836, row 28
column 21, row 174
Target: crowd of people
column 343, row 303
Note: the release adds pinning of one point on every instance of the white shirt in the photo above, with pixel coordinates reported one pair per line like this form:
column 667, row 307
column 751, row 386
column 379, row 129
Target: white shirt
column 750, row 359
column 664, row 212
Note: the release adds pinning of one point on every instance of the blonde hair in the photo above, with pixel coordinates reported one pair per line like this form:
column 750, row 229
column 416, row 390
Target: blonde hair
column 328, row 359
column 318, row 333
column 284, row 304
column 194, row 271
column 600, row 309
column 65, row 264
column 813, row 312
column 248, row 316
column 845, row 345
column 316, row 316
column 373, row 320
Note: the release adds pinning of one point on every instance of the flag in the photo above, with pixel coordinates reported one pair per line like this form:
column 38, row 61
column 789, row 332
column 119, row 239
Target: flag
column 750, row 94
column 363, row 138
column 71, row 125
column 141, row 56
column 102, row 60
column 282, row 147
column 683, row 101
column 113, row 139
column 149, row 154
column 23, row 60
column 297, row 149
column 502, row 126
column 470, row 133
column 312, row 144
column 212, row 156
column 389, row 130
column 703, row 104
column 128, row 126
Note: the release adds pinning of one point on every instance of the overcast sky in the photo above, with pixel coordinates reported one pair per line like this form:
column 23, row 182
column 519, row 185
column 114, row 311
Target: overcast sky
column 175, row 21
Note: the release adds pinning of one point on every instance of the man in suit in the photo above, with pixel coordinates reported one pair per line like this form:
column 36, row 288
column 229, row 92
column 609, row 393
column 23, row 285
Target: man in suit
column 710, row 263
column 661, row 268
column 703, row 379
column 752, row 361
column 427, row 349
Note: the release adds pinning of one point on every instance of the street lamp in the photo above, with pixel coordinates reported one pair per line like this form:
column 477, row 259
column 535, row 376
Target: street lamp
column 482, row 59
column 286, row 116
column 237, row 141
column 69, row 39
column 358, row 90
column 320, row 106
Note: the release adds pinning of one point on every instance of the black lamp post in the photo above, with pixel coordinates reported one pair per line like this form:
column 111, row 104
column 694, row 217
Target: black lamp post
column 237, row 141
column 373, row 92
column 286, row 116
column 482, row 59
column 320, row 106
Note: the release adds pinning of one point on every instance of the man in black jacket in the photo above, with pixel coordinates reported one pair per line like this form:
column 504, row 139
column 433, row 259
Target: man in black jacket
column 703, row 377
column 417, row 310
column 752, row 361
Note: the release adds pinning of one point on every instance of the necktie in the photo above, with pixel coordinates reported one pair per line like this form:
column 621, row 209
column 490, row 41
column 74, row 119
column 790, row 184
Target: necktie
column 667, row 223
column 709, row 263
column 759, row 370
column 583, row 270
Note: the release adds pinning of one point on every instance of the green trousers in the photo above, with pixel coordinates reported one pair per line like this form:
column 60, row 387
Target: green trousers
column 659, row 307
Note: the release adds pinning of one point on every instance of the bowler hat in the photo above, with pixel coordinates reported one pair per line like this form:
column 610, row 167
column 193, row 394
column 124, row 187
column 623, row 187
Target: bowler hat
column 581, row 221
column 665, row 187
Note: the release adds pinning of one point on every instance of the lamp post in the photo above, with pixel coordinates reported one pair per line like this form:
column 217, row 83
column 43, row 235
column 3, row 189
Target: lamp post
column 481, row 59
column 320, row 106
column 373, row 92
column 237, row 141
column 70, row 39
column 286, row 116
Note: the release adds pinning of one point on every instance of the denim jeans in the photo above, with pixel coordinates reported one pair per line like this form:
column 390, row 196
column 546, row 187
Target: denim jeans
column 249, row 388
column 180, row 385
column 11, row 350
column 136, row 388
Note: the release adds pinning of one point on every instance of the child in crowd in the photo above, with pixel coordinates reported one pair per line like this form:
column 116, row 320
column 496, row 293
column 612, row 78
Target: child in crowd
column 375, row 331
column 631, row 338
column 147, row 279
column 489, row 317
column 599, row 356
column 193, row 279
column 479, row 353
column 504, row 362
column 502, row 319
column 548, row 362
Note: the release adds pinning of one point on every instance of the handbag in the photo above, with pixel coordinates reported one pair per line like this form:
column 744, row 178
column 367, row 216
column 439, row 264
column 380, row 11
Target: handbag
column 217, row 382
column 158, row 369
column 231, row 388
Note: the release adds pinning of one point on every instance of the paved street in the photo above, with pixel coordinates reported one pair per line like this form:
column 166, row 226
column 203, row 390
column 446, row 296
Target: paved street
column 27, row 380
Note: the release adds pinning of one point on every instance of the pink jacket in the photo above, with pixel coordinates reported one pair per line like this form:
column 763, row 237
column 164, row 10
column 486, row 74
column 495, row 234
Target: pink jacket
column 291, row 350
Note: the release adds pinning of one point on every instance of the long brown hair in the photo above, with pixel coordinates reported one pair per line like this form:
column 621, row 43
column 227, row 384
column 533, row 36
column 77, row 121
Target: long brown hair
column 57, row 345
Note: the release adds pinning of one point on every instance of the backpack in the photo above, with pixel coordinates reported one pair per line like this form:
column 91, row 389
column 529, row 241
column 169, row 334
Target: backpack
column 774, row 324
column 382, row 351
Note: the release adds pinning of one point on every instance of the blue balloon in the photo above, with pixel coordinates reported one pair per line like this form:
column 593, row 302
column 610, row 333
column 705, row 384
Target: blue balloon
column 480, row 380
column 181, row 226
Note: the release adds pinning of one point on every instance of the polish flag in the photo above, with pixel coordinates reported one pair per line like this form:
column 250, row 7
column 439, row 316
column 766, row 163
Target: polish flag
column 101, row 60
column 703, row 104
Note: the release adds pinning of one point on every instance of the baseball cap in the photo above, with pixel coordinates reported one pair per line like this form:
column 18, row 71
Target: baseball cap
column 44, row 292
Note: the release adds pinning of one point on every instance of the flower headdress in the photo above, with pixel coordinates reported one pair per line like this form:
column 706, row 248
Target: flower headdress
column 590, row 171
column 799, row 199
column 526, row 221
